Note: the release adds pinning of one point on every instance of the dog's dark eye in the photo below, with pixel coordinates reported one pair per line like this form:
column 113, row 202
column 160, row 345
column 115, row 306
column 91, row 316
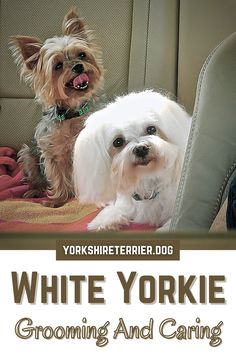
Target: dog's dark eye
column 151, row 130
column 59, row 66
column 118, row 142
column 82, row 55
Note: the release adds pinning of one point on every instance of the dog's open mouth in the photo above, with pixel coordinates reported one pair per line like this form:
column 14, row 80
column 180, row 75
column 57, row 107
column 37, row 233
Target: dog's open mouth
column 80, row 82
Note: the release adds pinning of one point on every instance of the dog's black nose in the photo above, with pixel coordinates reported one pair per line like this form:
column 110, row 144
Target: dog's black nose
column 78, row 68
column 141, row 151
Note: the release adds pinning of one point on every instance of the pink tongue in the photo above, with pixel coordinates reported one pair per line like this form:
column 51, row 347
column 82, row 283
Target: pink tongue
column 78, row 80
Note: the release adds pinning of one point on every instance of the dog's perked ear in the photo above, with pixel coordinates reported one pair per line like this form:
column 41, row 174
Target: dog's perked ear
column 73, row 25
column 26, row 50
column 92, row 169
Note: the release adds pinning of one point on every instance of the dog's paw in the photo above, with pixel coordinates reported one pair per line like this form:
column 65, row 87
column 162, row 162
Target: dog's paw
column 106, row 224
column 33, row 193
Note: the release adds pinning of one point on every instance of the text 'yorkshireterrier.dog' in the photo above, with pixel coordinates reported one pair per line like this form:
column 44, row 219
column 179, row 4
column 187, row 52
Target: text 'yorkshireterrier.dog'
column 66, row 74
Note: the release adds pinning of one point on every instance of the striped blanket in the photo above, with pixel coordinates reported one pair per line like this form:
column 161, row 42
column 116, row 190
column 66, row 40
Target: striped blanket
column 20, row 214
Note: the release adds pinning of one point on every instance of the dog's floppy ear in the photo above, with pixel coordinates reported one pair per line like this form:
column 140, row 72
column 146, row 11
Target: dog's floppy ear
column 175, row 123
column 92, row 169
column 26, row 50
column 73, row 25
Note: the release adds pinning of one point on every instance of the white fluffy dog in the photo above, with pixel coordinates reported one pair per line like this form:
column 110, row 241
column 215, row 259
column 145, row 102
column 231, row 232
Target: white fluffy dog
column 129, row 156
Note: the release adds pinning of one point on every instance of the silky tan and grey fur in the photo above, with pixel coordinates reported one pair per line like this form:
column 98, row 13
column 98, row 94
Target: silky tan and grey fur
column 66, row 74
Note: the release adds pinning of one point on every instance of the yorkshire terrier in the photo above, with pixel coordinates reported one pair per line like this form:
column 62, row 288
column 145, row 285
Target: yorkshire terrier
column 66, row 74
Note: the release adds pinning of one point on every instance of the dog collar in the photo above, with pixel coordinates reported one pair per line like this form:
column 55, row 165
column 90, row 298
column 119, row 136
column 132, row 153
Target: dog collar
column 138, row 198
column 64, row 114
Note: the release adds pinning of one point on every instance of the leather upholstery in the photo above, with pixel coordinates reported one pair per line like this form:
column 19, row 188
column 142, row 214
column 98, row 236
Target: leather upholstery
column 211, row 153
